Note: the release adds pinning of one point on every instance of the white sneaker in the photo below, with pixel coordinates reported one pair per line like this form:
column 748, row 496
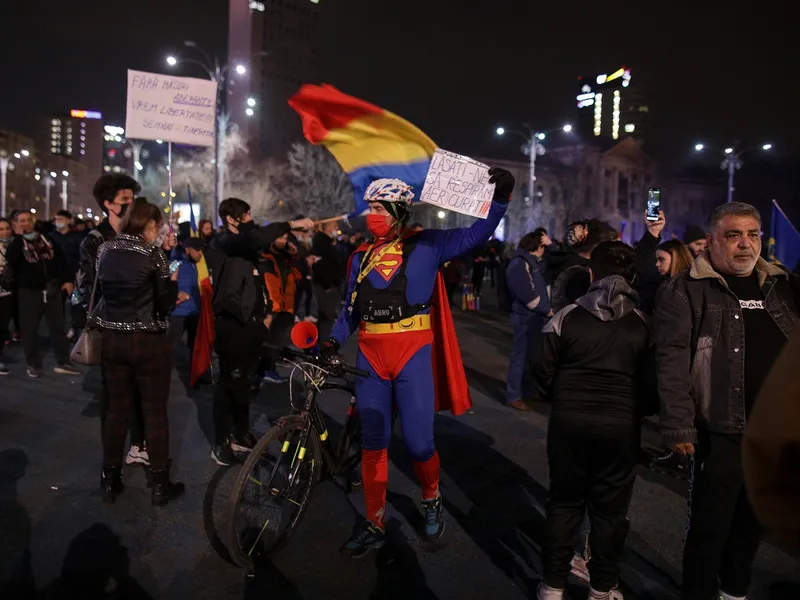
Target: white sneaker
column 614, row 594
column 579, row 567
column 545, row 592
column 724, row 596
column 137, row 455
column 311, row 319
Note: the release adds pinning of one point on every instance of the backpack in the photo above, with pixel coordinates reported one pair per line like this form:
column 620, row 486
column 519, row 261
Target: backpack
column 504, row 298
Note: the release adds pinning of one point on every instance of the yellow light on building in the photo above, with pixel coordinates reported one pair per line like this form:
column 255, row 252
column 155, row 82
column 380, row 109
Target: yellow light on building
column 598, row 113
column 615, row 116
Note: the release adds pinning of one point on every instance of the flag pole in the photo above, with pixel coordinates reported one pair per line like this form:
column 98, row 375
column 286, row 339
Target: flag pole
column 169, row 181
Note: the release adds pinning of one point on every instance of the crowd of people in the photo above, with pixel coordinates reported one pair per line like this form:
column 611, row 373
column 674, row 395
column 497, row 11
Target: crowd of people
column 606, row 333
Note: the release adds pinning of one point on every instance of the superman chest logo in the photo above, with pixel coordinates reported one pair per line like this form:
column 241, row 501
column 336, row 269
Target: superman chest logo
column 390, row 262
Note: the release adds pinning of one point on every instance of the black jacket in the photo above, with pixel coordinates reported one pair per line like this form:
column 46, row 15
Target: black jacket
column 700, row 347
column 137, row 291
column 36, row 264
column 647, row 277
column 84, row 280
column 239, row 292
column 69, row 244
column 595, row 355
column 328, row 271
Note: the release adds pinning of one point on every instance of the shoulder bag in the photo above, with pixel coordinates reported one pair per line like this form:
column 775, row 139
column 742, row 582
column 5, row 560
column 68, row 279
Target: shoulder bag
column 86, row 350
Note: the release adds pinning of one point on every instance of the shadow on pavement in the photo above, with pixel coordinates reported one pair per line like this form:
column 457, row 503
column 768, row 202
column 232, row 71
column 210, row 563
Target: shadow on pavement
column 268, row 582
column 96, row 566
column 210, row 509
column 400, row 575
column 16, row 576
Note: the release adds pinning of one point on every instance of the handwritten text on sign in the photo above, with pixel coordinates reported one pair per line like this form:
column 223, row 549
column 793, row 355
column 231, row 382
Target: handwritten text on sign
column 175, row 109
column 458, row 183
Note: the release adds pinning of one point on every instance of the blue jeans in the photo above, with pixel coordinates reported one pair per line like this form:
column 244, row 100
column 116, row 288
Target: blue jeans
column 519, row 383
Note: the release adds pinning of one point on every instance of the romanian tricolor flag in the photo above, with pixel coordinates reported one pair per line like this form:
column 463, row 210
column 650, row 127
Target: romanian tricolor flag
column 204, row 340
column 784, row 241
column 192, row 223
column 367, row 141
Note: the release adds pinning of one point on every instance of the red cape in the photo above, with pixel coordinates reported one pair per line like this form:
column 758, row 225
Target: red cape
column 449, row 378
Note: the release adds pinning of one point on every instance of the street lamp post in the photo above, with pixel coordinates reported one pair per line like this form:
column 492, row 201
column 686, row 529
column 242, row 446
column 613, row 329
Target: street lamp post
column 49, row 182
column 732, row 162
column 216, row 73
column 533, row 147
column 4, row 160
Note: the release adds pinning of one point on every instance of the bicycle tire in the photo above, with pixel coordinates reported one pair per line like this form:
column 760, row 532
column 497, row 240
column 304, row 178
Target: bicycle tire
column 283, row 425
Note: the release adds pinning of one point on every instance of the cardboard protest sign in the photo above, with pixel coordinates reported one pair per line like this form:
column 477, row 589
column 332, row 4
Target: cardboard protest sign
column 174, row 109
column 458, row 183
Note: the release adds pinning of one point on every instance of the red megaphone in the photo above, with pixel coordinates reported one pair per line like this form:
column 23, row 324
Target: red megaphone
column 304, row 335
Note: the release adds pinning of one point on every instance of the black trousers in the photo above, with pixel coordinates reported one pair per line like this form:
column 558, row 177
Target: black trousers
column 591, row 469
column 180, row 325
column 239, row 350
column 329, row 303
column 32, row 307
column 279, row 335
column 6, row 312
column 302, row 297
column 478, row 273
column 136, row 364
column 724, row 534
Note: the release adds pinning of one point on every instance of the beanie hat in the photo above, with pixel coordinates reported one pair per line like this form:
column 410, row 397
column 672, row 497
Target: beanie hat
column 693, row 233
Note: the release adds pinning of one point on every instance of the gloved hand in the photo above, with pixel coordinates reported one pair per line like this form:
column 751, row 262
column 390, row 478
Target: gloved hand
column 504, row 183
column 329, row 349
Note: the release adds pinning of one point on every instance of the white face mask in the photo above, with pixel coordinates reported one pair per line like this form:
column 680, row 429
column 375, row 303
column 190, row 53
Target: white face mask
column 61, row 226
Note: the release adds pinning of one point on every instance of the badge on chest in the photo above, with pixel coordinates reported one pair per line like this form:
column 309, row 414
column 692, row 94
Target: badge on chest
column 390, row 262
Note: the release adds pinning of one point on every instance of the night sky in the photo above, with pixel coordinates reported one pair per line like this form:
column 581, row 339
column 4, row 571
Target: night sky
column 454, row 70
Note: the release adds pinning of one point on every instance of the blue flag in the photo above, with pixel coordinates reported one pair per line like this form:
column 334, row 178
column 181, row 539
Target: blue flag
column 192, row 223
column 784, row 241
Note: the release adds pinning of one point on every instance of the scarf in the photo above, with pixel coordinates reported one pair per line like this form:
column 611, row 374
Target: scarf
column 38, row 250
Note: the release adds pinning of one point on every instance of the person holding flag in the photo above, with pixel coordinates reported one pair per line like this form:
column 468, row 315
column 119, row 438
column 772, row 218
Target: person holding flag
column 193, row 314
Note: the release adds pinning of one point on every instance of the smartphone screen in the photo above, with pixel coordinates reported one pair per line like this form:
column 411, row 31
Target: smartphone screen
column 174, row 266
column 653, row 203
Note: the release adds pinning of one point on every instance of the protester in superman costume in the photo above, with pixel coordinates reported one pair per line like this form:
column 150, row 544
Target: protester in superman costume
column 396, row 299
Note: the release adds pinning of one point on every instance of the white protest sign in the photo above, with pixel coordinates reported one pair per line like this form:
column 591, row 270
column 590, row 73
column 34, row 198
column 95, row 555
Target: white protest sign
column 174, row 109
column 458, row 183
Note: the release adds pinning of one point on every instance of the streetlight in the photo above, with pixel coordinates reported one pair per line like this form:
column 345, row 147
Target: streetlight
column 249, row 112
column 17, row 155
column 25, row 153
column 441, row 214
column 65, row 173
column 731, row 161
column 217, row 73
column 251, row 102
column 533, row 147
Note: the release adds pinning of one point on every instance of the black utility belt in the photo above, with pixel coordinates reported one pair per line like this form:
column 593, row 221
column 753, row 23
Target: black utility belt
column 373, row 312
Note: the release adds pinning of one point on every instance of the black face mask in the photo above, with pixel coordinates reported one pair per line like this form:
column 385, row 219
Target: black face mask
column 246, row 227
column 123, row 208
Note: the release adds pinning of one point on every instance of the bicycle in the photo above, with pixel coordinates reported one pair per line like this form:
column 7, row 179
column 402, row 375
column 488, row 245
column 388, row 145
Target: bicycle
column 277, row 483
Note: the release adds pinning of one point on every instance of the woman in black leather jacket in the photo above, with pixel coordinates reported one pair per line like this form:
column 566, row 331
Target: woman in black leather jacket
column 138, row 293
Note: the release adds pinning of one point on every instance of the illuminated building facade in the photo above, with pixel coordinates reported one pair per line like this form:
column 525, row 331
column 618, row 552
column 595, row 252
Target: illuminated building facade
column 611, row 105
column 287, row 32
column 77, row 135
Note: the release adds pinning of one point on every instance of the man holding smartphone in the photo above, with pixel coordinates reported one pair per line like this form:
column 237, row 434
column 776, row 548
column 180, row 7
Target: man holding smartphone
column 719, row 328
column 241, row 310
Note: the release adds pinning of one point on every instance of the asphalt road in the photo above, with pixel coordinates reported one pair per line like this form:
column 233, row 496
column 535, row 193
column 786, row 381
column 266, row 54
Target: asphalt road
column 57, row 539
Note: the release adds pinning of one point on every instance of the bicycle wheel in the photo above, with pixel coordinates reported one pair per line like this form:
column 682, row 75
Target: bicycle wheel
column 272, row 490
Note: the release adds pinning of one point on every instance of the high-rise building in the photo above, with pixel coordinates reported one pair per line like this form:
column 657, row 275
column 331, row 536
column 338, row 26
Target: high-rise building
column 278, row 41
column 611, row 106
column 77, row 135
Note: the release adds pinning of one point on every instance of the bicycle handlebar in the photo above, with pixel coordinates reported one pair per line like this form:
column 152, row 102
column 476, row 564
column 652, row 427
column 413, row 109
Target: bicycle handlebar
column 321, row 362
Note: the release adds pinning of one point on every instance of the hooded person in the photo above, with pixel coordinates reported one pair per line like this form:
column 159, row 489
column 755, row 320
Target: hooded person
column 406, row 342
column 278, row 266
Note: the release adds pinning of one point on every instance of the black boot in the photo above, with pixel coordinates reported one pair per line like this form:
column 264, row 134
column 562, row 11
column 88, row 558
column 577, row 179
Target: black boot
column 163, row 489
column 111, row 482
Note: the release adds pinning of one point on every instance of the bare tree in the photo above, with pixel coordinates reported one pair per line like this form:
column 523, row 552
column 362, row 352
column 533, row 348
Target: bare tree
column 317, row 186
